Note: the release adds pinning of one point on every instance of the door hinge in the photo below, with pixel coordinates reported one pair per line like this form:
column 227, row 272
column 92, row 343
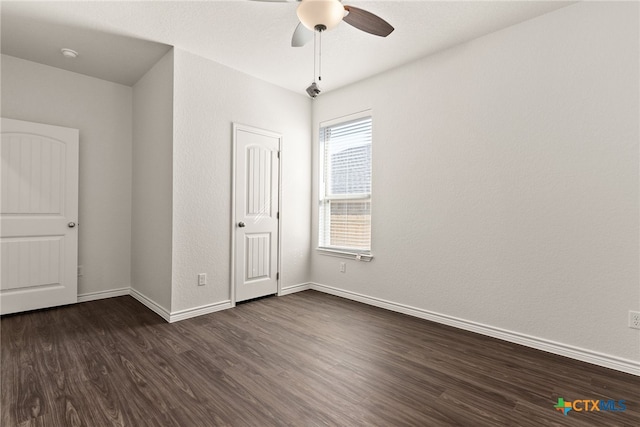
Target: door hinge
column 277, row 276
column 278, row 154
column 277, row 215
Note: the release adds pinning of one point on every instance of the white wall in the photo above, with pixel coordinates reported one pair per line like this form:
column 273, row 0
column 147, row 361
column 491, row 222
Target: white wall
column 208, row 98
column 152, row 186
column 102, row 112
column 505, row 180
column 505, row 177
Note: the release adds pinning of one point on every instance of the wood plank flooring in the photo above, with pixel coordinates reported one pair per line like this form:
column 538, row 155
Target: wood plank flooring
column 307, row 359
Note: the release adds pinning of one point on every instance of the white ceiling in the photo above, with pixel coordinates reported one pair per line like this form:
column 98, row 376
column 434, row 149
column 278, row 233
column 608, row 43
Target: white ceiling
column 107, row 56
column 120, row 40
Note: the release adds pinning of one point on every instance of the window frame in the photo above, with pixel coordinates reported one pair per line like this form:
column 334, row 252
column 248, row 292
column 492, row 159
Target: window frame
column 323, row 197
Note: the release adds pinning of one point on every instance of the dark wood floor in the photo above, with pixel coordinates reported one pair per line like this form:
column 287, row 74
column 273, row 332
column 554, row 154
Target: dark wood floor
column 306, row 359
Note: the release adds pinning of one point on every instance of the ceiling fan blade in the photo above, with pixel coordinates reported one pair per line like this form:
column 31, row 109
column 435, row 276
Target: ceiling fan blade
column 301, row 36
column 367, row 22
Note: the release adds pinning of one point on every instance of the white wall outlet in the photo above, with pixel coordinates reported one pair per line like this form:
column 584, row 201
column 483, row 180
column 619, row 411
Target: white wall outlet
column 202, row 279
column 343, row 267
column 634, row 319
column 80, row 271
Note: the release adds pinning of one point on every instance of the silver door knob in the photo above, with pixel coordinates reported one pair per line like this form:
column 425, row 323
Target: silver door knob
column 241, row 224
column 71, row 224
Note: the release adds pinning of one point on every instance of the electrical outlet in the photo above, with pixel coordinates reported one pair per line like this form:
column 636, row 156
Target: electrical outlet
column 80, row 272
column 343, row 267
column 202, row 279
column 634, row 319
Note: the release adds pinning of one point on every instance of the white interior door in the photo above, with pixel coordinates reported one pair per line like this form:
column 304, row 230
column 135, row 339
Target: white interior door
column 39, row 213
column 256, row 212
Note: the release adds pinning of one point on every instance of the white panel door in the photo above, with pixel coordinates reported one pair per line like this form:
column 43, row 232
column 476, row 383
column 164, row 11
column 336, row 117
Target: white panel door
column 256, row 212
column 39, row 213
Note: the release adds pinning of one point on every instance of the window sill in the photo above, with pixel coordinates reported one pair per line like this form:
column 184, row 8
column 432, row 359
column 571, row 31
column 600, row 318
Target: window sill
column 366, row 257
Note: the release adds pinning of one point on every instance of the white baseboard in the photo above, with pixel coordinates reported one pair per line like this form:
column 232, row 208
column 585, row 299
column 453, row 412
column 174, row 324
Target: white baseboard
column 295, row 288
column 176, row 316
column 151, row 305
column 155, row 307
column 595, row 358
column 92, row 296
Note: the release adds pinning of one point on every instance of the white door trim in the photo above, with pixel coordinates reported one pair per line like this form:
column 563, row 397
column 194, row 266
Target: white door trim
column 240, row 127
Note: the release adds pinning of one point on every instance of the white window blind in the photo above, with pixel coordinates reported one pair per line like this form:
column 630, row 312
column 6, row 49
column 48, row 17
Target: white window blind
column 345, row 189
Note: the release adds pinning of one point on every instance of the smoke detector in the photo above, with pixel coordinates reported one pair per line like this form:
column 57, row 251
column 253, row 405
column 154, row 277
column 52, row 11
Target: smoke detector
column 69, row 53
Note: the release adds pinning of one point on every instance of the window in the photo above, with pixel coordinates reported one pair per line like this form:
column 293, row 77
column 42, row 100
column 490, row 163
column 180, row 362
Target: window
column 345, row 186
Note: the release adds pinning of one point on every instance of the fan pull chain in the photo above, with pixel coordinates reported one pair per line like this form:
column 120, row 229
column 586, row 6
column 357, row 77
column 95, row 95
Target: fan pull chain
column 320, row 56
column 313, row 90
column 317, row 54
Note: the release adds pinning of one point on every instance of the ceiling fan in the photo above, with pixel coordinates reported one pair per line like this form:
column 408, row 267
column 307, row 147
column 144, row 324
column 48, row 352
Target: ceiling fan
column 323, row 15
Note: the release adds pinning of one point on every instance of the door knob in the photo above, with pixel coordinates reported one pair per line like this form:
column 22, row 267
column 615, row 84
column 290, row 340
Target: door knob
column 241, row 224
column 71, row 224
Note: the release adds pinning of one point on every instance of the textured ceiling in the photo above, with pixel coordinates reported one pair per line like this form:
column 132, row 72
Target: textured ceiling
column 250, row 36
column 103, row 55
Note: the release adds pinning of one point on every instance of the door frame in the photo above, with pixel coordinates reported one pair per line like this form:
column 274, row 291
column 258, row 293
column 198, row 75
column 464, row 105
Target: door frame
column 241, row 127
